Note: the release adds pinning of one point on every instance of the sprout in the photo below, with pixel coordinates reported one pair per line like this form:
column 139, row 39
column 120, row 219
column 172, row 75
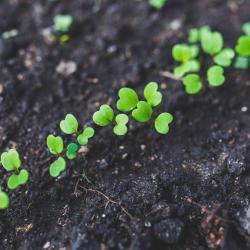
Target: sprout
column 162, row 123
column 143, row 112
column 215, row 76
column 246, row 28
column 128, row 99
column 211, row 42
column 241, row 62
column 16, row 180
column 9, row 34
column 189, row 66
column 192, row 83
column 104, row 116
column 224, row 58
column 182, row 52
column 151, row 94
column 69, row 125
column 55, row 144
column 121, row 124
column 194, row 35
column 57, row 167
column 72, row 151
column 4, row 200
column 84, row 137
column 158, row 4
column 62, row 22
column 10, row 160
column 243, row 46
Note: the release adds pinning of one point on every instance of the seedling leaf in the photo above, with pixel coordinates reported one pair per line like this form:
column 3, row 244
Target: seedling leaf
column 192, row 83
column 162, row 123
column 158, row 4
column 84, row 137
column 224, row 58
column 4, row 200
column 57, row 167
column 246, row 28
column 15, row 180
column 143, row 112
column 121, row 124
column 62, row 22
column 215, row 76
column 72, row 151
column 128, row 99
column 182, row 52
column 10, row 160
column 152, row 95
column 243, row 46
column 193, row 36
column 55, row 144
column 23, row 177
column 69, row 125
column 211, row 42
column 104, row 116
column 241, row 62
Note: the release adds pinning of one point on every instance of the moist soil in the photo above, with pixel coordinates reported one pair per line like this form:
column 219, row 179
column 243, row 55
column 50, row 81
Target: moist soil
column 187, row 190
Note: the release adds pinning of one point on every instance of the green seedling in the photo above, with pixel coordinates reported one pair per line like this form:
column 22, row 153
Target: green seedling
column 4, row 200
column 57, row 167
column 69, row 125
column 152, row 95
column 192, row 83
column 225, row 57
column 62, row 22
column 55, row 144
column 189, row 66
column 121, row 124
column 9, row 34
column 246, row 28
column 64, row 38
column 158, row 4
column 128, row 99
column 16, row 180
column 162, row 123
column 241, row 62
column 143, row 112
column 243, row 46
column 211, row 42
column 194, row 35
column 182, row 53
column 215, row 76
column 104, row 116
column 72, row 149
column 84, row 137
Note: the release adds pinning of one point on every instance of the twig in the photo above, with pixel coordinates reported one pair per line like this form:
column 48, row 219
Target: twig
column 109, row 200
column 170, row 75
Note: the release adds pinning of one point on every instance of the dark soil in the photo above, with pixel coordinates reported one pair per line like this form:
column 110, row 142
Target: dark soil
column 187, row 190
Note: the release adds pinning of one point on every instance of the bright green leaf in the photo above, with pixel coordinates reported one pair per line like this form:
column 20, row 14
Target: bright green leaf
column 211, row 42
column 84, row 137
column 4, row 200
column 189, row 66
column 215, row 76
column 152, row 95
column 57, row 167
column 158, row 4
column 182, row 52
column 23, row 177
column 121, row 124
column 69, row 125
column 243, row 46
column 193, row 36
column 246, row 28
column 128, row 99
column 241, row 62
column 55, row 144
column 192, row 83
column 62, row 22
column 104, row 116
column 72, row 151
column 10, row 160
column 224, row 58
column 143, row 112
column 13, row 181
column 162, row 122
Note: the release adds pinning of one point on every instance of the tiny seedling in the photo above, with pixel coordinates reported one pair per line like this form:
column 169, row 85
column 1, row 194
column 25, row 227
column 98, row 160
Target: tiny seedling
column 194, row 36
column 57, row 167
column 215, row 76
column 9, row 34
column 11, row 162
column 62, row 22
column 84, row 137
column 243, row 46
column 128, row 99
column 246, row 28
column 189, row 66
column 4, row 200
column 143, row 112
column 225, row 57
column 162, row 123
column 211, row 42
column 152, row 95
column 104, row 116
column 192, row 83
column 121, row 124
column 55, row 144
column 72, row 151
column 69, row 125
column 182, row 53
column 241, row 62
column 158, row 4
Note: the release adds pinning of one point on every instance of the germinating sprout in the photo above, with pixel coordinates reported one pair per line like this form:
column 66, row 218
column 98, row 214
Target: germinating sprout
column 241, row 62
column 152, row 95
column 104, row 116
column 142, row 112
column 162, row 122
column 62, row 22
column 69, row 125
column 72, row 151
column 246, row 28
column 128, row 99
column 225, row 57
column 84, row 137
column 4, row 200
column 55, row 144
column 211, row 42
column 192, row 83
column 57, row 167
column 158, row 4
column 121, row 124
column 215, row 76
column 243, row 46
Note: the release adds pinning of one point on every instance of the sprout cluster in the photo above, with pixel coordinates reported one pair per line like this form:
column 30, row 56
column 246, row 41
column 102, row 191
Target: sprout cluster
column 128, row 102
column 11, row 162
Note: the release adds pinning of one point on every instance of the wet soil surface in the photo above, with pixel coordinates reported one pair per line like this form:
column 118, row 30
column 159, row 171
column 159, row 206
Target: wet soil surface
column 187, row 190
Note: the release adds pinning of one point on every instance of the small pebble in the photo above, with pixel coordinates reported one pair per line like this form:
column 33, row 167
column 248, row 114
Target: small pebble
column 244, row 109
column 103, row 164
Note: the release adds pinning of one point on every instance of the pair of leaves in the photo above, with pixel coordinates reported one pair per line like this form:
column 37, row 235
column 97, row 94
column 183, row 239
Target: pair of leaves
column 192, row 83
column 10, row 160
column 84, row 137
column 62, row 22
column 55, row 144
column 121, row 125
column 104, row 116
column 72, row 149
column 57, row 167
column 243, row 46
column 69, row 125
column 183, row 52
column 211, row 42
column 4, row 200
column 16, row 180
column 162, row 122
column 215, row 76
column 225, row 57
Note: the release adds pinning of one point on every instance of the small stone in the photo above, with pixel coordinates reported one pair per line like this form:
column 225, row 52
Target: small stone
column 1, row 89
column 147, row 224
column 66, row 68
column 142, row 146
column 46, row 245
column 169, row 230
column 124, row 156
column 103, row 164
column 244, row 109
